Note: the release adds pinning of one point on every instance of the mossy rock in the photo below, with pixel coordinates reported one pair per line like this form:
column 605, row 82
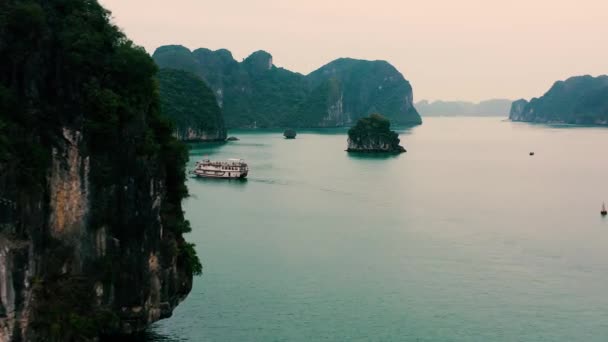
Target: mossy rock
column 373, row 134
column 289, row 134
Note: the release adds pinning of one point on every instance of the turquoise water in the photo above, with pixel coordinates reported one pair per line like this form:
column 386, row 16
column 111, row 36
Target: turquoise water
column 464, row 238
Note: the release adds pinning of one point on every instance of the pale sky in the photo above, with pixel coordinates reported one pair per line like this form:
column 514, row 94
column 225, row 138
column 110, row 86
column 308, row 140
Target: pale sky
column 449, row 50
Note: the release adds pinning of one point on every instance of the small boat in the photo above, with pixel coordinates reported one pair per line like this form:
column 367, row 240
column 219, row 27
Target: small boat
column 531, row 153
column 232, row 168
column 604, row 212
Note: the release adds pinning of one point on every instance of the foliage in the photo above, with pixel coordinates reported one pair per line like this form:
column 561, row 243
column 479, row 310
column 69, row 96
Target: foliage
column 367, row 87
column 175, row 57
column 375, row 128
column 290, row 133
column 578, row 100
column 3, row 142
column 375, row 123
column 256, row 93
column 189, row 103
column 188, row 258
column 66, row 310
column 65, row 67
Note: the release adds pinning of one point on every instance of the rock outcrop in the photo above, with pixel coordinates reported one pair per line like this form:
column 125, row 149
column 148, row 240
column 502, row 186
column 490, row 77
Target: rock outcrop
column 373, row 135
column 255, row 93
column 517, row 110
column 91, row 180
column 289, row 133
column 191, row 105
column 579, row 100
column 358, row 88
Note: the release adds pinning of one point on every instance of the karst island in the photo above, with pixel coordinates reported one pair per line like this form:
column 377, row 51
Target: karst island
column 373, row 135
column 289, row 133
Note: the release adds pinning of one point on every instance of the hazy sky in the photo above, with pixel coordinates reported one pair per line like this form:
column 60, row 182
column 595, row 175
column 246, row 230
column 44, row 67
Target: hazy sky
column 466, row 49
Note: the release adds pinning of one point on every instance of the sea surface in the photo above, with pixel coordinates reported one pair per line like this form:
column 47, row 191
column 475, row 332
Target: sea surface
column 463, row 238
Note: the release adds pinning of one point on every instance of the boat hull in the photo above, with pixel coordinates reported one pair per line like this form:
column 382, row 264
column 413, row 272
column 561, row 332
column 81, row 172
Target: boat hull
column 220, row 174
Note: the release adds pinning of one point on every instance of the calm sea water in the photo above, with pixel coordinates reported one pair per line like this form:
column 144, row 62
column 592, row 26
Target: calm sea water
column 464, row 238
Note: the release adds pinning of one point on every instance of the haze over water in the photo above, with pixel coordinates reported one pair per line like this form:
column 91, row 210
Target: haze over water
column 464, row 238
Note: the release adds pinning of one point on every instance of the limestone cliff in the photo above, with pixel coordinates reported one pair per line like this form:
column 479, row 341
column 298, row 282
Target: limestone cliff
column 256, row 93
column 517, row 110
column 577, row 100
column 367, row 87
column 373, row 135
column 191, row 105
column 91, row 180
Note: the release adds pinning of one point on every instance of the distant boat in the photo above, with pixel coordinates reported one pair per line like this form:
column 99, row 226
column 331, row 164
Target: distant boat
column 604, row 212
column 531, row 153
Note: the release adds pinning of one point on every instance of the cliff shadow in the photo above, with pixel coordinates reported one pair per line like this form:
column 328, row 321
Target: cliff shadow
column 146, row 336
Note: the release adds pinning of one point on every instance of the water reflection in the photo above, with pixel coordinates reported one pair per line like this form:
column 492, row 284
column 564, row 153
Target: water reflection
column 372, row 155
column 154, row 336
column 147, row 336
column 202, row 149
column 405, row 130
column 232, row 181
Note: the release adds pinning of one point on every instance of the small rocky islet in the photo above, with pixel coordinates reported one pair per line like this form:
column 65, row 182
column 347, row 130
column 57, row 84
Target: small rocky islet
column 373, row 135
column 289, row 133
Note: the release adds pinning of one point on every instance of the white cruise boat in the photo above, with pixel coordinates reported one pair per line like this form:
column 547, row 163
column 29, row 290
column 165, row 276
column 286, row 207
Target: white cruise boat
column 232, row 168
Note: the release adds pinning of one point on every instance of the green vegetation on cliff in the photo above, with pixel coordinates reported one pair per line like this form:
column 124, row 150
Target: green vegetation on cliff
column 373, row 134
column 191, row 105
column 360, row 88
column 577, row 100
column 255, row 93
column 91, row 164
column 290, row 133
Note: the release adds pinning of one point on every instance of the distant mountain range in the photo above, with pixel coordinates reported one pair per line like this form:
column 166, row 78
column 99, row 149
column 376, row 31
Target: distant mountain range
column 577, row 100
column 256, row 93
column 494, row 107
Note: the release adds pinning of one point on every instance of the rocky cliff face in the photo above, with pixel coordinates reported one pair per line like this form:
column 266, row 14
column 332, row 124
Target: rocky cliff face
column 191, row 105
column 367, row 87
column 192, row 134
column 373, row 145
column 577, row 100
column 518, row 109
column 63, row 276
column 257, row 93
column 91, row 180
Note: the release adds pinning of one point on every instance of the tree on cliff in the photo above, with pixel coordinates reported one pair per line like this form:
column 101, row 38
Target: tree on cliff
column 373, row 134
column 254, row 92
column 577, row 100
column 79, row 101
column 191, row 105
